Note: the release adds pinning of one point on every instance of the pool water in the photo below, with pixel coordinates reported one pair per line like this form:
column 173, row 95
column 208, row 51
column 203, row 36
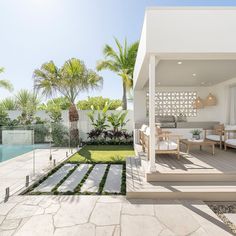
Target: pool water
column 8, row 152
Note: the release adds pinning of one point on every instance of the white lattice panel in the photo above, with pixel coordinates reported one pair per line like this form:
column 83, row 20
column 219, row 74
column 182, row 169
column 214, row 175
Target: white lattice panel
column 174, row 103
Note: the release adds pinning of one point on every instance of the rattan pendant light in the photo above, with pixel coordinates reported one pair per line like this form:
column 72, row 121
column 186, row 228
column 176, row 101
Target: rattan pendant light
column 198, row 103
column 210, row 100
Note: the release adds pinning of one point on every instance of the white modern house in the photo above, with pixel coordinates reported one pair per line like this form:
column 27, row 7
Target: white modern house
column 186, row 69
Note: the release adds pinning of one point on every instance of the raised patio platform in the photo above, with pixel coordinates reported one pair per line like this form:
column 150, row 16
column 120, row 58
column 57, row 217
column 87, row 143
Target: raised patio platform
column 195, row 166
column 199, row 175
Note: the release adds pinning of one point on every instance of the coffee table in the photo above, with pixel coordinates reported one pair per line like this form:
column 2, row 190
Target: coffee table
column 190, row 143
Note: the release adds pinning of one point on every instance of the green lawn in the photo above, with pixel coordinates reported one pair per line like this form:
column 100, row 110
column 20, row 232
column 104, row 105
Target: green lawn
column 103, row 153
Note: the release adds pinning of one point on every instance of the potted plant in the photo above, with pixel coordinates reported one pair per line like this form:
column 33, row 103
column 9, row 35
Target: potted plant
column 196, row 133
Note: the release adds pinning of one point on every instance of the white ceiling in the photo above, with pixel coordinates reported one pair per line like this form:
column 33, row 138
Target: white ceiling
column 208, row 72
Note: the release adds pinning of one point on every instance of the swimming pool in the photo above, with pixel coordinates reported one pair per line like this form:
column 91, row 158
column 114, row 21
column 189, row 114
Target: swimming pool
column 8, row 152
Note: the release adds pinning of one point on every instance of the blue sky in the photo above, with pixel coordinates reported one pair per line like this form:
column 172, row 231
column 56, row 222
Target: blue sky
column 35, row 31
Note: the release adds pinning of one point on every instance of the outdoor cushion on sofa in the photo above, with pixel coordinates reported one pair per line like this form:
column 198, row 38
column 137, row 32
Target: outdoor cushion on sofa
column 231, row 142
column 166, row 145
column 214, row 137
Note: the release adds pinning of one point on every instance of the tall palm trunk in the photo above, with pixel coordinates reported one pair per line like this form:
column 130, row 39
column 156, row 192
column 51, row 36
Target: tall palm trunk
column 124, row 99
column 73, row 118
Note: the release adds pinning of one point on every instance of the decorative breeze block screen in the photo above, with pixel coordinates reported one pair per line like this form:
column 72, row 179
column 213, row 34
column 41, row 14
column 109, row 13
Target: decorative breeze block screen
column 174, row 103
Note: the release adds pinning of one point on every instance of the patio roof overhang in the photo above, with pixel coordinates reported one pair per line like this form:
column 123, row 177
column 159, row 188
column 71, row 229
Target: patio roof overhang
column 202, row 38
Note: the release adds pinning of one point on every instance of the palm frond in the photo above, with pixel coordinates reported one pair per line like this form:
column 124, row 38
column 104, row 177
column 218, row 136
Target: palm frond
column 6, row 85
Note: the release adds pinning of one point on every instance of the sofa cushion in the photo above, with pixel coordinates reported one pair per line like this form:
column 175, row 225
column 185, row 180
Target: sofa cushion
column 214, row 137
column 231, row 142
column 143, row 128
column 166, row 145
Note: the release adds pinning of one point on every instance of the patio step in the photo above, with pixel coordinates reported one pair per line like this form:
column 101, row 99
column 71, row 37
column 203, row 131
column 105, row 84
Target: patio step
column 187, row 176
column 205, row 191
column 138, row 187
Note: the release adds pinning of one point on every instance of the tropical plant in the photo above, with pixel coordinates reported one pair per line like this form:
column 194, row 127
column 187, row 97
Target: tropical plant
column 99, row 102
column 5, row 83
column 4, row 119
column 99, row 120
column 27, row 102
column 121, row 62
column 8, row 104
column 117, row 120
column 69, row 80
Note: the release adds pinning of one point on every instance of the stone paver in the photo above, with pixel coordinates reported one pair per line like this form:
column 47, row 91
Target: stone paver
column 113, row 181
column 42, row 225
column 80, row 230
column 14, row 171
column 104, row 215
column 94, row 179
column 75, row 178
column 107, row 215
column 231, row 217
column 54, row 179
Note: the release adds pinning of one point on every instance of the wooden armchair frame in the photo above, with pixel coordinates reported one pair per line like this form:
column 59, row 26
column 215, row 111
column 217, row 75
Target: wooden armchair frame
column 217, row 130
column 165, row 136
column 227, row 132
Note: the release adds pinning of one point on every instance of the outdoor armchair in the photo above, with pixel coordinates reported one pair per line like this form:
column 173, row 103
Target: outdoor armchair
column 230, row 139
column 216, row 134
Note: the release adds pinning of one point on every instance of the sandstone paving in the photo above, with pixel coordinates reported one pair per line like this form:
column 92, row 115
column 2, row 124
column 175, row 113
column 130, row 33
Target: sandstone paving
column 75, row 178
column 93, row 181
column 54, row 179
column 14, row 171
column 114, row 178
column 107, row 215
column 231, row 217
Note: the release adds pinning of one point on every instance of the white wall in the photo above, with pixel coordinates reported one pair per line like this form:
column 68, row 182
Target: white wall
column 217, row 113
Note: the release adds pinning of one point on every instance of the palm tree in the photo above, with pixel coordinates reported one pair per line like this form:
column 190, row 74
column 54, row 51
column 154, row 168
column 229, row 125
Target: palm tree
column 69, row 80
column 121, row 62
column 27, row 102
column 5, row 83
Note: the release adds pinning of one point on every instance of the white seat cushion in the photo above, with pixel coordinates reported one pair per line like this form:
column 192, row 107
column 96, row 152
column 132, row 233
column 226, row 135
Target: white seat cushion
column 143, row 128
column 147, row 132
column 231, row 142
column 166, row 145
column 214, row 137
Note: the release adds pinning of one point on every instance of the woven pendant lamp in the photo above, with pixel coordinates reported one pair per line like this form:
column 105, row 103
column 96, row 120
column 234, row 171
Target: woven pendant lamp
column 198, row 103
column 210, row 100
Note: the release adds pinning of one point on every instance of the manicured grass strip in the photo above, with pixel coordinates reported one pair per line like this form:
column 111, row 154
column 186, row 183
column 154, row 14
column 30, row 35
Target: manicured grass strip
column 123, row 180
column 103, row 154
column 103, row 181
column 78, row 187
column 54, row 190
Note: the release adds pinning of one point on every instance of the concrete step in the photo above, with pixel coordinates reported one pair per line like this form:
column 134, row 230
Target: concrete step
column 205, row 191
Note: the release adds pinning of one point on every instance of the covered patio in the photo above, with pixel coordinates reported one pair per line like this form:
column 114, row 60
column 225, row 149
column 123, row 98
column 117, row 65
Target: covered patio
column 185, row 79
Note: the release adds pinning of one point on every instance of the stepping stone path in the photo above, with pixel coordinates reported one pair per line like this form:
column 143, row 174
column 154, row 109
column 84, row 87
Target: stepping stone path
column 113, row 181
column 75, row 178
column 54, row 179
column 93, row 181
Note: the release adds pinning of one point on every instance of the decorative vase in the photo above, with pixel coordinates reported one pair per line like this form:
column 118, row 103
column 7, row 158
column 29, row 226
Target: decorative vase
column 196, row 136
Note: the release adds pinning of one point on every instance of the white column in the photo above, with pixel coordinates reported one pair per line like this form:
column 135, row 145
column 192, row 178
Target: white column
column 152, row 86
